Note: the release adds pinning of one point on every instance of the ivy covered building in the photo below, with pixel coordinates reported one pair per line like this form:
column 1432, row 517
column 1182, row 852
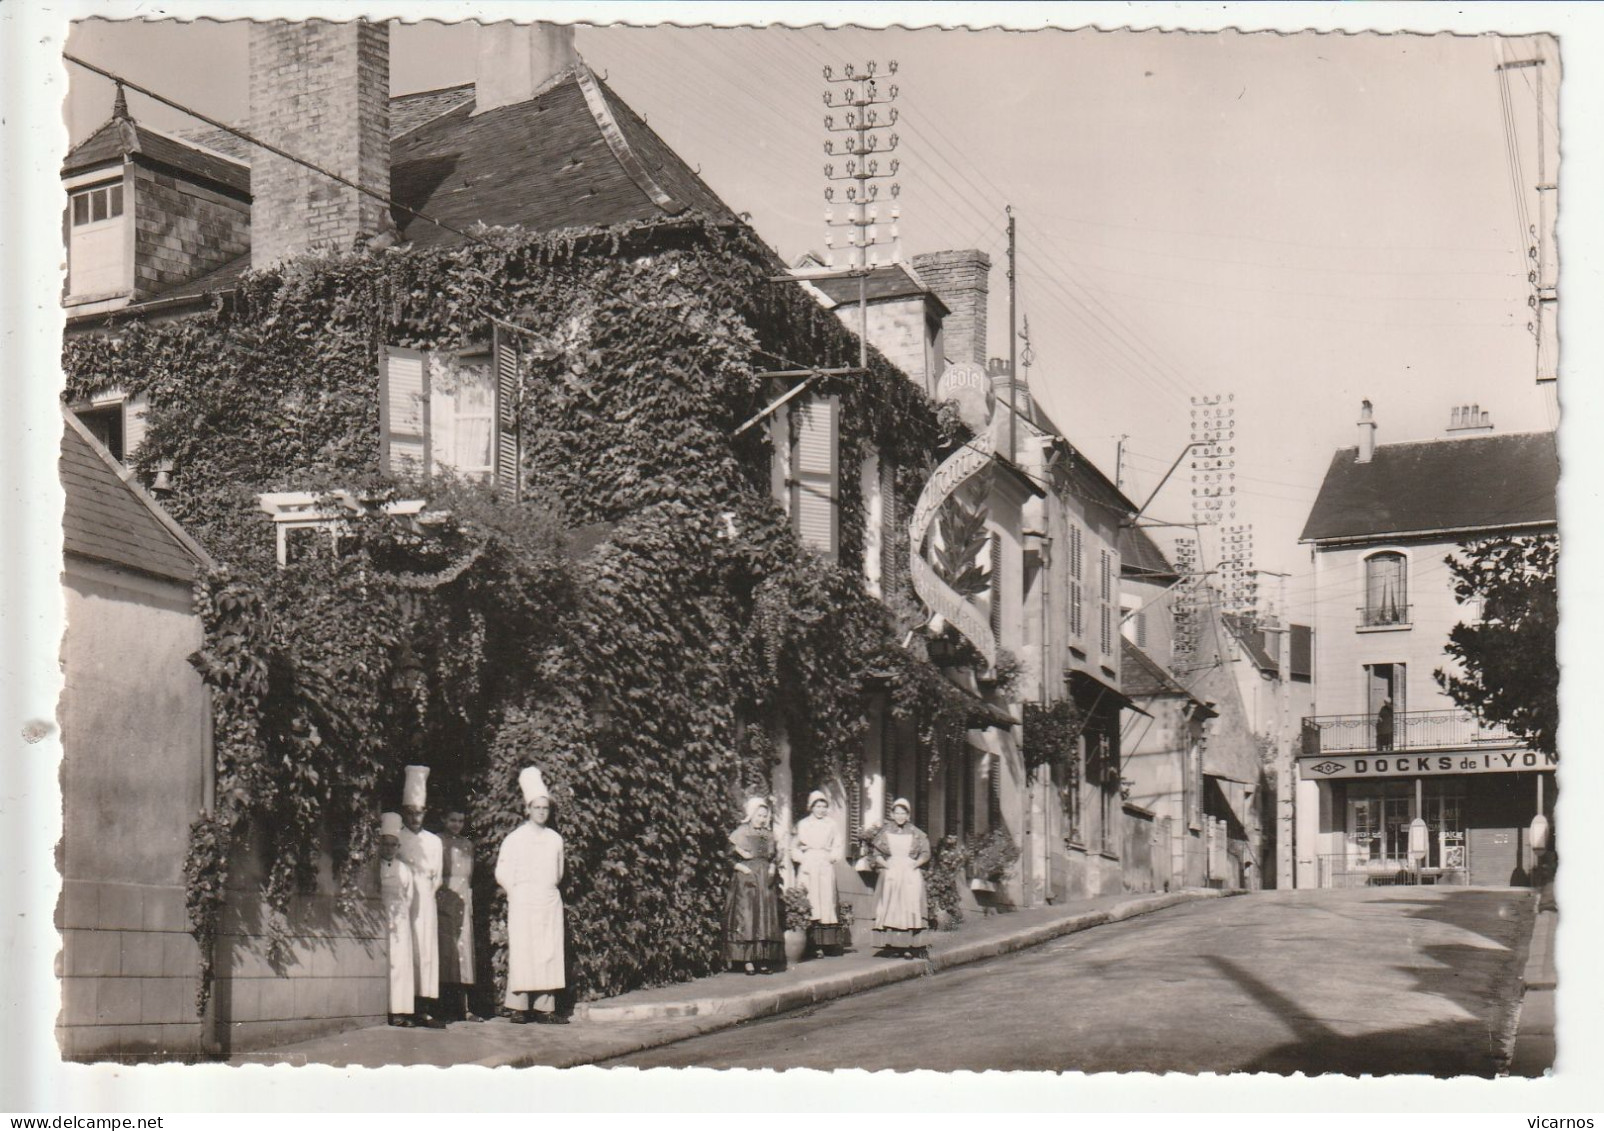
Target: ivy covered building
column 472, row 469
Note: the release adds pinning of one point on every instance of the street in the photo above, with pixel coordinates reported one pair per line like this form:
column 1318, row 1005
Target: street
column 1380, row 980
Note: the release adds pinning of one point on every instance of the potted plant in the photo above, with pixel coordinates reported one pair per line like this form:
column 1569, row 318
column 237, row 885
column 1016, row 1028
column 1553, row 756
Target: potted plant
column 990, row 858
column 941, row 883
column 798, row 914
column 864, row 864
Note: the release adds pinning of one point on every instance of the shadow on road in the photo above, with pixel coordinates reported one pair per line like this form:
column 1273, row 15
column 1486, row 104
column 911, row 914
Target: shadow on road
column 1436, row 1049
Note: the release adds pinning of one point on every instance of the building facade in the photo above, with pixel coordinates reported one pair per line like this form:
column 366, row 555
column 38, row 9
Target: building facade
column 1385, row 745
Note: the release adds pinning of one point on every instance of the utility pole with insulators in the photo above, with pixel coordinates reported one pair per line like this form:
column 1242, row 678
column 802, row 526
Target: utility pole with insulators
column 859, row 145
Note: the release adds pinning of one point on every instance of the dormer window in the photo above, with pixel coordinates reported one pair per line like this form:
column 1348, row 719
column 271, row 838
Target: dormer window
column 97, row 254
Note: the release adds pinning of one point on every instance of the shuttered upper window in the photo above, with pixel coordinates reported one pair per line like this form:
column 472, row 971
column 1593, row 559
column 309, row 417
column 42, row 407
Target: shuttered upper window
column 815, row 476
column 454, row 412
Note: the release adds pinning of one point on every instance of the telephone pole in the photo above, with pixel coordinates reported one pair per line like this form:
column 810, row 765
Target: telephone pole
column 1013, row 344
column 1284, row 855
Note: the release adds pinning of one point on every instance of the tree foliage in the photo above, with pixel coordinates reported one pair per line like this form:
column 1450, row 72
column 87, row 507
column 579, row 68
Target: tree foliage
column 1507, row 664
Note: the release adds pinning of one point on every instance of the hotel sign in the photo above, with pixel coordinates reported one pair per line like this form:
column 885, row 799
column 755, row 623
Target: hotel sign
column 1424, row 765
column 957, row 469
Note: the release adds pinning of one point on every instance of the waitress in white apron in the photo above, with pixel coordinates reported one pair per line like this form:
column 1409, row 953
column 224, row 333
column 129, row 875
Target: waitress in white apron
column 902, row 911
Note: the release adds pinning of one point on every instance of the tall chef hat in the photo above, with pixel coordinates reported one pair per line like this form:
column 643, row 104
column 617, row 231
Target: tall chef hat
column 533, row 785
column 415, row 791
column 390, row 825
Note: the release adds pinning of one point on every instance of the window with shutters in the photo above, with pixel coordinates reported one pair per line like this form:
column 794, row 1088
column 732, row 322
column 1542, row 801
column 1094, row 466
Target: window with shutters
column 453, row 412
column 462, row 414
column 97, row 249
column 815, row 474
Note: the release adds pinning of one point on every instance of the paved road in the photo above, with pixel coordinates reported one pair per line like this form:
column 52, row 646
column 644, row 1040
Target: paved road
column 1385, row 980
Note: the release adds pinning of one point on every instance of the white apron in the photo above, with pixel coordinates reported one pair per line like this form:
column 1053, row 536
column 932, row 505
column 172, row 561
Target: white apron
column 901, row 903
column 423, row 853
column 815, row 851
column 528, row 866
column 399, row 893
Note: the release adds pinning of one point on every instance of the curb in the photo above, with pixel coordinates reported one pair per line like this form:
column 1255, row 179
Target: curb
column 730, row 1011
column 1533, row 1048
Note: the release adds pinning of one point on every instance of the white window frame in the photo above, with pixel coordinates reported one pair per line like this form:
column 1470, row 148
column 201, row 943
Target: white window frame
column 86, row 185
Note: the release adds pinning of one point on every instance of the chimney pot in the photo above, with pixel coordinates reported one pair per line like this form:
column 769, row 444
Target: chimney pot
column 1367, row 433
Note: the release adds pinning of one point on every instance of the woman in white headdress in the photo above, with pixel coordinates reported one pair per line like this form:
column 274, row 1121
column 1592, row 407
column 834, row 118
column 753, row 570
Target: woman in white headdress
column 901, row 911
column 529, row 867
column 754, row 925
column 814, row 851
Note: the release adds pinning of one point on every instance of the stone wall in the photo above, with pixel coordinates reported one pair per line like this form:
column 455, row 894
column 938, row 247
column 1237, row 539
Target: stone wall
column 183, row 230
column 319, row 90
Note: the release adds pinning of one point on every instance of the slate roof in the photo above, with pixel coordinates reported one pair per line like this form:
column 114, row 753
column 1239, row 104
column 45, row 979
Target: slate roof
column 1476, row 483
column 1143, row 677
column 561, row 160
column 1263, row 649
column 555, row 162
column 120, row 137
column 893, row 280
column 1140, row 555
column 110, row 519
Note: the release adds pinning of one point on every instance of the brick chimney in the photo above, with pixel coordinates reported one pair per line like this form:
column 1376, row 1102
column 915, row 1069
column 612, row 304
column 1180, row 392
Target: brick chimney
column 1367, row 433
column 961, row 280
column 518, row 61
column 321, row 91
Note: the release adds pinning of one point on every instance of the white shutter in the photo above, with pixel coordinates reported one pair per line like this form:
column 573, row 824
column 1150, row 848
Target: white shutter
column 874, row 523
column 815, row 476
column 403, row 412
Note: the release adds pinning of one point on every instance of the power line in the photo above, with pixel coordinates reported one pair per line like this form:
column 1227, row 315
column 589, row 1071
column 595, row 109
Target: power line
column 273, row 149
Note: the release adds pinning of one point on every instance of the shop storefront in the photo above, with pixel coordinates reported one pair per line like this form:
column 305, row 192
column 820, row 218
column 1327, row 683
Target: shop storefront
column 1477, row 807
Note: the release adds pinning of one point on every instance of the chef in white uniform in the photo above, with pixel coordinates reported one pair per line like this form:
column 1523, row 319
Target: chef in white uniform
column 425, row 855
column 529, row 867
column 400, row 895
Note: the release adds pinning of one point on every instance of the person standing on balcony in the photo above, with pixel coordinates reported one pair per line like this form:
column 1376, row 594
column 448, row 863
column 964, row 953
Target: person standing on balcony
column 1384, row 725
column 816, row 849
column 754, row 923
column 529, row 867
column 902, row 911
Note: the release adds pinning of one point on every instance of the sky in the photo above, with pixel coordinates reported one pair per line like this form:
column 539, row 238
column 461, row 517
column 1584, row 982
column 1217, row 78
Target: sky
column 1292, row 222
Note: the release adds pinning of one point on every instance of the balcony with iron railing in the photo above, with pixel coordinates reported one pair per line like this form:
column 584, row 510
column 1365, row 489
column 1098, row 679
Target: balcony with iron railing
column 1416, row 731
column 1387, row 614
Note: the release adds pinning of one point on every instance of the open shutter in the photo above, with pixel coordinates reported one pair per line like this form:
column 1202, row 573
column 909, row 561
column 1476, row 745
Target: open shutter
column 874, row 524
column 996, row 588
column 508, row 387
column 816, row 476
column 403, row 412
column 892, row 559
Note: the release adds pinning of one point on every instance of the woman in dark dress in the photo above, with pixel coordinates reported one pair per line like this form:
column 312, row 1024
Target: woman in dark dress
column 754, row 922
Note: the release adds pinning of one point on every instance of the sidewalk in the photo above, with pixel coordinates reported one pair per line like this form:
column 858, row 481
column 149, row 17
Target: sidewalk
column 1534, row 1034
column 649, row 1018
